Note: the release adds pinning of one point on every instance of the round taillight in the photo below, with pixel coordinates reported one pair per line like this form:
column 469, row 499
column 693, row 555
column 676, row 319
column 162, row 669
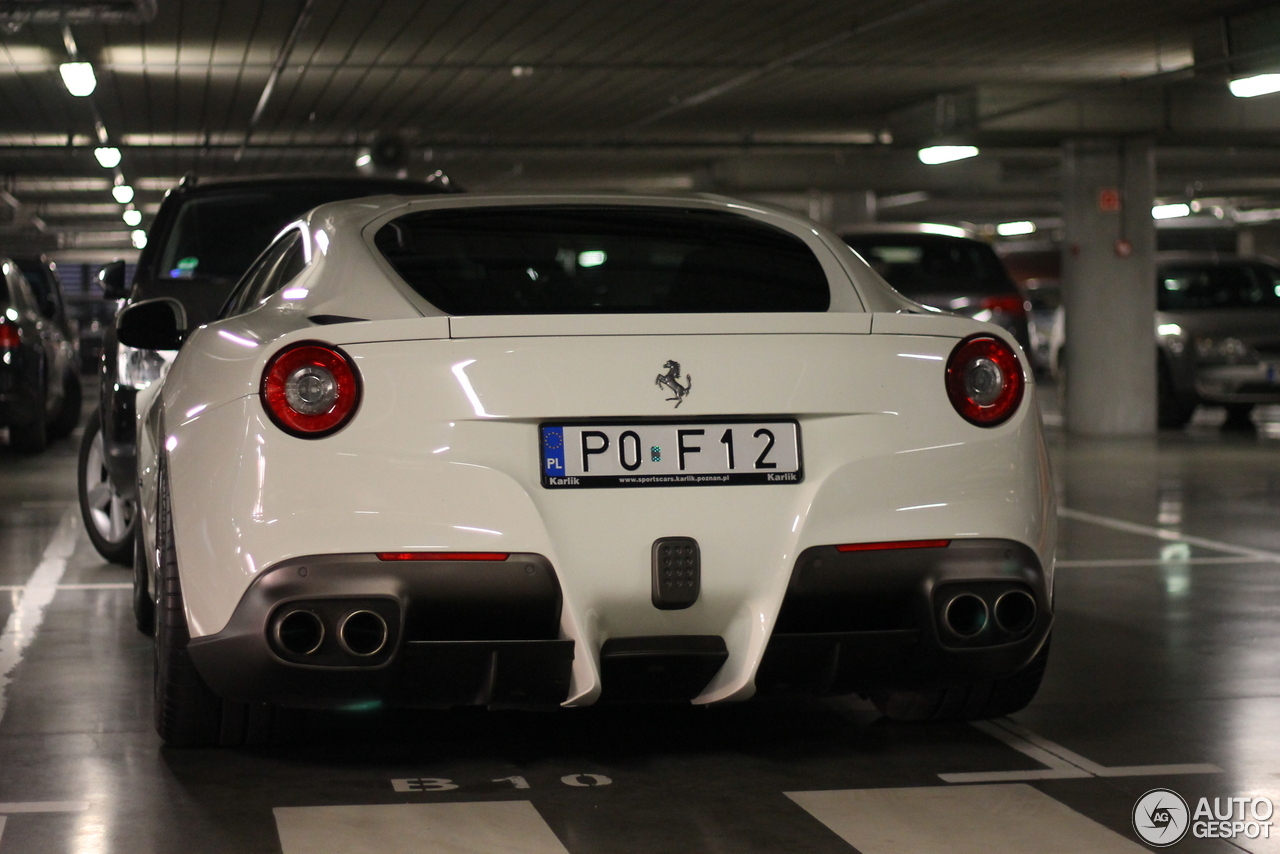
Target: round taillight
column 310, row 389
column 984, row 380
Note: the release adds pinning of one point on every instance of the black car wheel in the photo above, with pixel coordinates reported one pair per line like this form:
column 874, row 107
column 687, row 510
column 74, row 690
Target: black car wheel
column 991, row 698
column 109, row 517
column 31, row 438
column 69, row 412
column 1172, row 410
column 187, row 712
column 144, row 607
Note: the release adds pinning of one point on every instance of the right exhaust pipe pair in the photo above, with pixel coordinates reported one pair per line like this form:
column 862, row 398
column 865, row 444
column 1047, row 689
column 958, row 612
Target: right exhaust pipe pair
column 967, row 614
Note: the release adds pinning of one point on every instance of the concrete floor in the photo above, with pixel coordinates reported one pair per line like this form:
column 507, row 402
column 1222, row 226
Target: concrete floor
column 1164, row 673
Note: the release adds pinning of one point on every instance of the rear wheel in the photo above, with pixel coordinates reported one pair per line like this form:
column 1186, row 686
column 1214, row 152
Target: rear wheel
column 109, row 517
column 144, row 607
column 29, row 438
column 69, row 413
column 187, row 712
column 991, row 698
column 1239, row 417
column 1173, row 410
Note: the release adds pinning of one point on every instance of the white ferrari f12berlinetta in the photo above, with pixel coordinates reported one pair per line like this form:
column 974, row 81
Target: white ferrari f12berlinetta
column 559, row 450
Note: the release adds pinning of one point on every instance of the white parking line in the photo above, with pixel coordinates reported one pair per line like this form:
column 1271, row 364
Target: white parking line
column 24, row 621
column 43, row 806
column 1143, row 561
column 38, row 806
column 1167, row 534
column 1011, row 818
column 115, row 585
column 492, row 827
column 1062, row 763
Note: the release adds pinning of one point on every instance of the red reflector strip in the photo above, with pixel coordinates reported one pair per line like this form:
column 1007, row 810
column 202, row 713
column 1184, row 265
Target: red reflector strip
column 900, row 544
column 442, row 555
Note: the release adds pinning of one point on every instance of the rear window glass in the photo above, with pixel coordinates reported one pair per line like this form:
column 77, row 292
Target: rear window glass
column 1184, row 288
column 601, row 259
column 924, row 264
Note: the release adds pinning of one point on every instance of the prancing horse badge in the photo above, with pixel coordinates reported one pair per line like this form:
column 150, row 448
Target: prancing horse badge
column 671, row 380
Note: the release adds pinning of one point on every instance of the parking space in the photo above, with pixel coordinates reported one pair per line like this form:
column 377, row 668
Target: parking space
column 1161, row 675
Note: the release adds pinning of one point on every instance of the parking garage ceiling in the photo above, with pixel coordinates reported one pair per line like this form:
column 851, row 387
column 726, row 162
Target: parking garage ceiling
column 749, row 98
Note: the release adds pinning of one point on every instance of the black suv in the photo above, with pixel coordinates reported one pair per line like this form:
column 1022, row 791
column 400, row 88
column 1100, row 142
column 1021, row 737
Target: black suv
column 39, row 386
column 205, row 235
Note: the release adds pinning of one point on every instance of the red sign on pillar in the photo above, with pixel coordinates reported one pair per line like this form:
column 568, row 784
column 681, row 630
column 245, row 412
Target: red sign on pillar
column 1109, row 200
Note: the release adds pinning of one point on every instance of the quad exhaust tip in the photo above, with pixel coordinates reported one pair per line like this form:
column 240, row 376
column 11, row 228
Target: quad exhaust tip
column 362, row 633
column 300, row 632
column 965, row 615
column 1015, row 611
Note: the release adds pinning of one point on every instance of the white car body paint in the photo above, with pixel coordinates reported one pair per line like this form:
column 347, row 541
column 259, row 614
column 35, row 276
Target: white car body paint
column 433, row 463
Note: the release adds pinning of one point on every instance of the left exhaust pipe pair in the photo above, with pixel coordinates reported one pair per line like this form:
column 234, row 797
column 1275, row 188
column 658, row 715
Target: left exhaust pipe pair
column 360, row 633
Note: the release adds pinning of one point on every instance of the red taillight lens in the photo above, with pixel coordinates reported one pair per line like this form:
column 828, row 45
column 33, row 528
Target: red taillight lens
column 1007, row 304
column 893, row 545
column 442, row 555
column 310, row 390
column 984, row 380
column 10, row 336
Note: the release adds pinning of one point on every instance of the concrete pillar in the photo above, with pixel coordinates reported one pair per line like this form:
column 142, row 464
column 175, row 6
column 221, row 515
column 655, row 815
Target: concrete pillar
column 1108, row 287
column 839, row 209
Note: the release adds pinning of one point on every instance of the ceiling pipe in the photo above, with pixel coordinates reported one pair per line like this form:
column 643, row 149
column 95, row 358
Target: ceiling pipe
column 286, row 50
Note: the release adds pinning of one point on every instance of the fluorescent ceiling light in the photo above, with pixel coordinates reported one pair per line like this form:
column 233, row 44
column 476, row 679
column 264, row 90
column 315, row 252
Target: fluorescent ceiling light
column 79, row 79
column 944, row 230
column 122, row 194
column 108, row 157
column 1251, row 87
column 132, row 217
column 139, row 238
column 1012, row 229
column 1171, row 211
column 935, row 154
column 364, row 159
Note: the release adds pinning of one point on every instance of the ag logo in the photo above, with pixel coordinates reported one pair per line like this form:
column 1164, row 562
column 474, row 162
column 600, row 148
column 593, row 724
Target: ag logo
column 1160, row 817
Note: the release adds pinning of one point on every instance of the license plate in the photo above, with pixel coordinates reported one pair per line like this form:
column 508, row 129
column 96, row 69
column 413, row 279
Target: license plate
column 713, row 453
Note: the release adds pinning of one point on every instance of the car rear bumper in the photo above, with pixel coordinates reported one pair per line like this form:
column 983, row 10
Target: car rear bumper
column 854, row 621
column 1257, row 383
column 489, row 632
column 457, row 633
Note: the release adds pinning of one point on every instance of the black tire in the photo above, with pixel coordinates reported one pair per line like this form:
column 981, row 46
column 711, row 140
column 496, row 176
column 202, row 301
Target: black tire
column 188, row 713
column 144, row 607
column 29, row 438
column 1173, row 411
column 992, row 698
column 64, row 423
column 1239, row 417
column 109, row 517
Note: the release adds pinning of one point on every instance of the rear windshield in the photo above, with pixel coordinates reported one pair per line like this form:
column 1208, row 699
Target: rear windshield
column 1190, row 287
column 218, row 235
column 601, row 259
column 926, row 264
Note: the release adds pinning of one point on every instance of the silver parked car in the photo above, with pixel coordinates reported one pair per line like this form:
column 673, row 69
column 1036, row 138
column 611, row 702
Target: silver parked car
column 1218, row 330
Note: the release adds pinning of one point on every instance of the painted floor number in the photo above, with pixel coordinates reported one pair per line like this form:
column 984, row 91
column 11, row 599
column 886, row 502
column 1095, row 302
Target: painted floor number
column 444, row 784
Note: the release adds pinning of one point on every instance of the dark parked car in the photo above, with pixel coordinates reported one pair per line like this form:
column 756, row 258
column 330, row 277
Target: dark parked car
column 204, row 237
column 1218, row 334
column 39, row 386
column 944, row 271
